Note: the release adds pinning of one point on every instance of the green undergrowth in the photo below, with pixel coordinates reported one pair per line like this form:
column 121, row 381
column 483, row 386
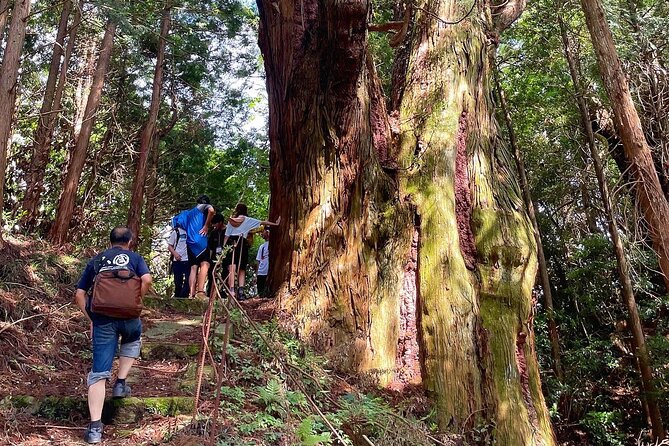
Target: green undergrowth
column 275, row 387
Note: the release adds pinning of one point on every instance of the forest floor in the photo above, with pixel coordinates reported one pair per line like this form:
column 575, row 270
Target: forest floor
column 271, row 384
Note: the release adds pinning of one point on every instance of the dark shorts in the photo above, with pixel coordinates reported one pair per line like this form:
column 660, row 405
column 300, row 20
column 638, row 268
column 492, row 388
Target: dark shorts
column 196, row 260
column 239, row 254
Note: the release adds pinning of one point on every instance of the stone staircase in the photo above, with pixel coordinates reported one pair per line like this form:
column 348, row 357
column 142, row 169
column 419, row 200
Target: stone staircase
column 163, row 382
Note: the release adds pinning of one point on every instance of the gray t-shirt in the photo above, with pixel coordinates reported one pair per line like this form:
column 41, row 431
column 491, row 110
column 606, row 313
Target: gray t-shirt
column 180, row 247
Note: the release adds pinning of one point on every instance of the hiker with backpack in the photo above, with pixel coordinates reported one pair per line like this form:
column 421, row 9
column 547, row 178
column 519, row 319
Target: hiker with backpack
column 236, row 233
column 179, row 264
column 196, row 222
column 110, row 294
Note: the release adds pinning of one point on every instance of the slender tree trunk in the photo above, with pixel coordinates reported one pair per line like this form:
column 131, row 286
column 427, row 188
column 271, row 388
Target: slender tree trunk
column 60, row 228
column 84, row 84
column 148, row 132
column 9, row 73
column 553, row 334
column 649, row 193
column 641, row 351
column 49, row 113
column 152, row 184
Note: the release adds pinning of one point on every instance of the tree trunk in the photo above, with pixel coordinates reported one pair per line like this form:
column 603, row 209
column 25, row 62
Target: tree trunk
column 640, row 349
column 344, row 253
column 49, row 113
column 61, row 226
column 650, row 196
column 84, row 83
column 148, row 133
column 9, row 73
column 477, row 254
column 553, row 334
column 337, row 267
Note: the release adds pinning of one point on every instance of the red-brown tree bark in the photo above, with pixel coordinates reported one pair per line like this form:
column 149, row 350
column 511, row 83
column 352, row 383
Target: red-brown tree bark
column 650, row 197
column 9, row 73
column 61, row 226
column 148, row 132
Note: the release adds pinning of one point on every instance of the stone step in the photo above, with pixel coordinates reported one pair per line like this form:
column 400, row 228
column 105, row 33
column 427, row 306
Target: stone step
column 184, row 306
column 123, row 411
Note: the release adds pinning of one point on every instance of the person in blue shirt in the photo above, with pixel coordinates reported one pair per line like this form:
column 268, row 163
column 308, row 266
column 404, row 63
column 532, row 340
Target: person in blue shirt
column 196, row 222
column 106, row 331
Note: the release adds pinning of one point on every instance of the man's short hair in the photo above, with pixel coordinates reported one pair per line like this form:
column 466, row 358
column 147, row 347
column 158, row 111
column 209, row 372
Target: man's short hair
column 218, row 218
column 203, row 199
column 120, row 235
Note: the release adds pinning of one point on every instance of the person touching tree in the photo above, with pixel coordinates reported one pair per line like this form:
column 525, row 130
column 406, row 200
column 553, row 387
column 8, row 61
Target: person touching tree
column 236, row 260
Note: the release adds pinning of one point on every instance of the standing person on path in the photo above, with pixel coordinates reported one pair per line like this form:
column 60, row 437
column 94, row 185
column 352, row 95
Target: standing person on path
column 106, row 331
column 196, row 222
column 263, row 264
column 176, row 245
column 216, row 237
column 236, row 231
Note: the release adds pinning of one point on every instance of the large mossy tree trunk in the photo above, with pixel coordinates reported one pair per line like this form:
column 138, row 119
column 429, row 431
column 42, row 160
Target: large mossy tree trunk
column 336, row 263
column 364, row 243
column 477, row 255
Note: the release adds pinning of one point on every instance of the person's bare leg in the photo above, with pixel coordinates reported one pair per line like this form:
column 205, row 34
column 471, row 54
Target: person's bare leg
column 241, row 278
column 96, row 399
column 124, row 365
column 231, row 279
column 192, row 278
column 202, row 276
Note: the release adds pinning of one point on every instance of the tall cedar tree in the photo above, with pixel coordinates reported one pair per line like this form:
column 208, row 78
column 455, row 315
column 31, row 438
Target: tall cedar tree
column 9, row 73
column 61, row 226
column 49, row 112
column 650, row 196
column 355, row 189
column 148, row 132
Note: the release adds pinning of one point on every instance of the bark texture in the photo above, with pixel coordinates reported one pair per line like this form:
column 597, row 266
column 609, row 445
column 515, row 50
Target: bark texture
column 477, row 255
column 9, row 73
column 61, row 226
column 553, row 334
column 148, row 132
column 415, row 220
column 650, row 197
column 343, row 236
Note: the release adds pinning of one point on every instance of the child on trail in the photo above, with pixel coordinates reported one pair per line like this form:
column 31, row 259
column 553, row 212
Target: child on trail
column 196, row 222
column 116, row 261
column 263, row 264
column 176, row 245
column 236, row 231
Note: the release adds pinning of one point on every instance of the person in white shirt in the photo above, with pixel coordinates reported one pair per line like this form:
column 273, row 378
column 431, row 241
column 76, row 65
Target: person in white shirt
column 176, row 245
column 263, row 264
column 236, row 232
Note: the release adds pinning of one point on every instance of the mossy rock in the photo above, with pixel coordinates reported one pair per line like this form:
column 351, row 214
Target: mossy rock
column 188, row 381
column 159, row 350
column 185, row 306
column 126, row 410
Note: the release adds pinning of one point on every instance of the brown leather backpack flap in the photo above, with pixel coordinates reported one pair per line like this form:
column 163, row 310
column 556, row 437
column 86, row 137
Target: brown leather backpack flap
column 117, row 293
